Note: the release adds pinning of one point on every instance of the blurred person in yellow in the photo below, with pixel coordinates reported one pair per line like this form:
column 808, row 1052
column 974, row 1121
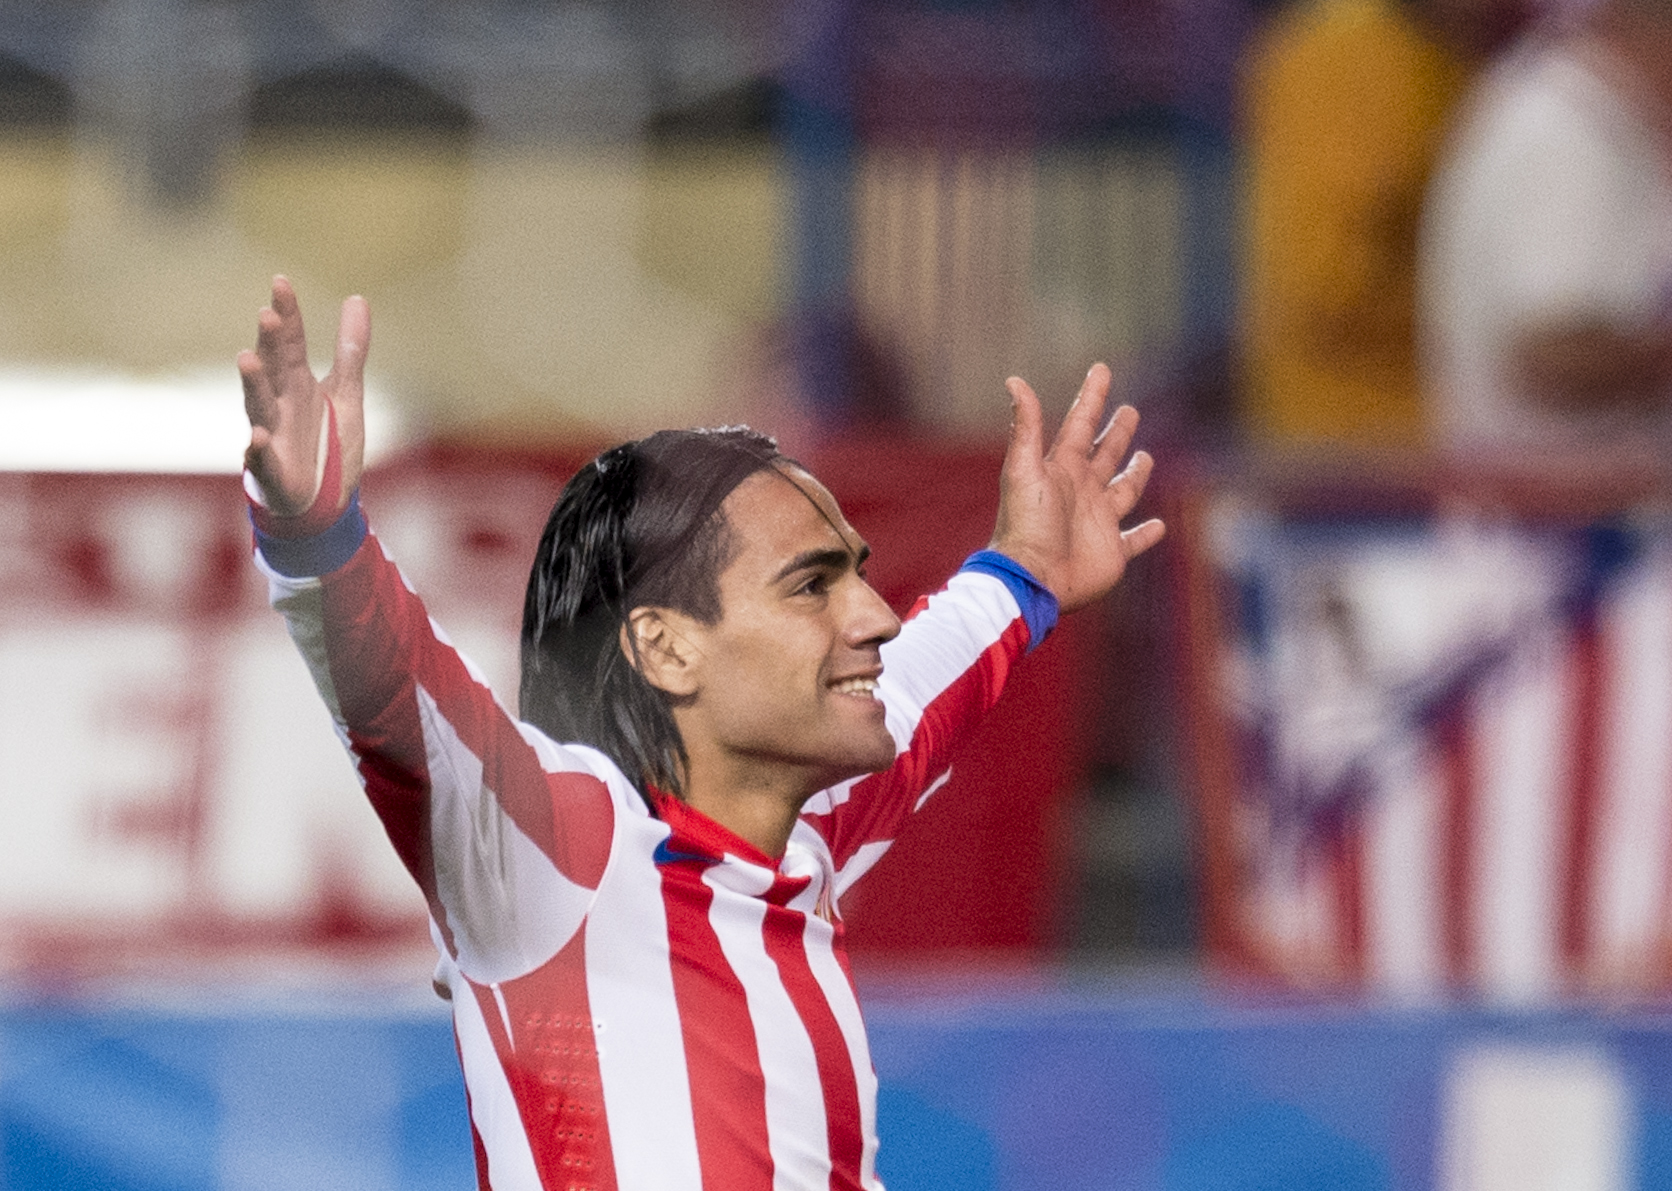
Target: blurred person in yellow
column 1547, row 252
column 1345, row 106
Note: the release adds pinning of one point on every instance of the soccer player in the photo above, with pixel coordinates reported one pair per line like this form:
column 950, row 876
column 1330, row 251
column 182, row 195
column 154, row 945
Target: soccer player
column 635, row 889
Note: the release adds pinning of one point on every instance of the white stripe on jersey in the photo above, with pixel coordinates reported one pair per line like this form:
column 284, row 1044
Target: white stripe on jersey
column 641, row 1049
column 829, row 799
column 915, row 673
column 863, row 858
column 508, row 907
column 930, row 792
column 492, row 1107
column 301, row 601
column 794, row 1093
column 838, row 994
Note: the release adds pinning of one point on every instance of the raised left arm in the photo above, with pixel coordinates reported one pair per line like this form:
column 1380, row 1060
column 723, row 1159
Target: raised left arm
column 1060, row 510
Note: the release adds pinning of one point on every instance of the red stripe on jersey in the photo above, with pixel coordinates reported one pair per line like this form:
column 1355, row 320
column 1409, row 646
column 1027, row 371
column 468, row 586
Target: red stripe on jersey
column 840, row 946
column 877, row 806
column 783, row 931
column 553, row 1069
column 722, row 1057
column 376, row 669
column 368, row 645
column 397, row 784
column 480, row 1151
column 583, row 819
column 1584, row 797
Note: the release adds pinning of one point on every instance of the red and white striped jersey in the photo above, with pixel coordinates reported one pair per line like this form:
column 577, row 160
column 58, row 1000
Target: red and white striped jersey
column 642, row 999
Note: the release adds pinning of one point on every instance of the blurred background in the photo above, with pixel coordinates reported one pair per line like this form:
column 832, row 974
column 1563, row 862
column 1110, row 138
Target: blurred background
column 1331, row 851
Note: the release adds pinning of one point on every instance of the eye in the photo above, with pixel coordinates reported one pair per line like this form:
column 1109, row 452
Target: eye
column 814, row 585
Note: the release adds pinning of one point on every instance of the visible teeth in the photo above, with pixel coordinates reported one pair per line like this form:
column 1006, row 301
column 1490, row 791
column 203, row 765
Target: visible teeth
column 856, row 686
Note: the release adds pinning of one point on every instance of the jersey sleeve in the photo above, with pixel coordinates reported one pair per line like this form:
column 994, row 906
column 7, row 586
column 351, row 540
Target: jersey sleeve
column 506, row 833
column 940, row 676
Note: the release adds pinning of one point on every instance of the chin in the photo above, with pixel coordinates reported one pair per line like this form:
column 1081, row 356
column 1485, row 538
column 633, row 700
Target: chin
column 860, row 766
column 879, row 760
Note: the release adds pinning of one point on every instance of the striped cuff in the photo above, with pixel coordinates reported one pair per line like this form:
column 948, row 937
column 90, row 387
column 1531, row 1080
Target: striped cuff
column 1039, row 606
column 319, row 554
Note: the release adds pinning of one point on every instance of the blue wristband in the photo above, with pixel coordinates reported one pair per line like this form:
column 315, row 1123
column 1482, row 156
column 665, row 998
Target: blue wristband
column 324, row 552
column 1039, row 606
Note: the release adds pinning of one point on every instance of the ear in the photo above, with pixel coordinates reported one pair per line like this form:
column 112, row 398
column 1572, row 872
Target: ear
column 659, row 644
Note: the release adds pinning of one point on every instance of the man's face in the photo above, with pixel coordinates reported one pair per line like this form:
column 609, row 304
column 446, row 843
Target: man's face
column 787, row 677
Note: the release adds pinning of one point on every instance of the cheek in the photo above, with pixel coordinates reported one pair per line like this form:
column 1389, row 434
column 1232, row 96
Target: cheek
column 774, row 645
column 745, row 662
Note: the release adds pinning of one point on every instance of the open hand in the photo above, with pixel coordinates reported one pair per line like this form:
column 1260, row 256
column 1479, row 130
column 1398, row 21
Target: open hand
column 1060, row 511
column 287, row 406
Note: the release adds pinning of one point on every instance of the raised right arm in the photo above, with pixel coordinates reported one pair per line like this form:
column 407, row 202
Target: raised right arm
column 1058, row 544
column 506, row 833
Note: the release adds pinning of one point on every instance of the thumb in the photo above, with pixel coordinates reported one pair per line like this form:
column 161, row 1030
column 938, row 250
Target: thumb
column 348, row 387
column 1027, row 424
column 354, row 337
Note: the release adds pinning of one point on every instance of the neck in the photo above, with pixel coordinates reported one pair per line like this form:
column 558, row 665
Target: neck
column 759, row 802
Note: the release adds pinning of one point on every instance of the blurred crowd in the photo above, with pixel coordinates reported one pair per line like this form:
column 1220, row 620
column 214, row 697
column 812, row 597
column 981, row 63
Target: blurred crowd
column 1458, row 224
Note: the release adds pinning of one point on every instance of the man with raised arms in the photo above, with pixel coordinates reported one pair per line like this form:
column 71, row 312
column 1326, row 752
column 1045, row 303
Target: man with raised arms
column 635, row 884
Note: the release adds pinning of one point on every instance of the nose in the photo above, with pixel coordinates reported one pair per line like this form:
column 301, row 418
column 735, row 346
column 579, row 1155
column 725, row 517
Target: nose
column 870, row 621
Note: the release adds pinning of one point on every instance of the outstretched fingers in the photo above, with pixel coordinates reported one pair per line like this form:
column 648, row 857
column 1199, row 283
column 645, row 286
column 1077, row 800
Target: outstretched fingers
column 346, row 387
column 1141, row 537
column 284, row 405
column 1108, row 454
column 1127, row 487
column 281, row 340
column 354, row 333
column 259, row 398
column 1060, row 512
column 261, row 408
column 1078, row 433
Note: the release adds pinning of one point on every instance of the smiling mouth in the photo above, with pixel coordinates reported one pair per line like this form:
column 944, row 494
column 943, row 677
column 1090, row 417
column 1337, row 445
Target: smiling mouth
column 856, row 686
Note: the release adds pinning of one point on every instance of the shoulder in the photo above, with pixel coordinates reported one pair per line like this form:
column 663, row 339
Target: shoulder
column 583, row 765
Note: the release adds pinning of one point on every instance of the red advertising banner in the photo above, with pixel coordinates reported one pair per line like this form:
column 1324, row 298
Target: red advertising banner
column 171, row 786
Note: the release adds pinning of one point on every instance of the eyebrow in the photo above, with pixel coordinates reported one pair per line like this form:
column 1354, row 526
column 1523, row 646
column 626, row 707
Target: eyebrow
column 828, row 558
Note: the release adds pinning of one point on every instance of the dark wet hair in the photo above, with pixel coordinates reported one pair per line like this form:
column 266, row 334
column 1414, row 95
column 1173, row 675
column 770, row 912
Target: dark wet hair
column 639, row 526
